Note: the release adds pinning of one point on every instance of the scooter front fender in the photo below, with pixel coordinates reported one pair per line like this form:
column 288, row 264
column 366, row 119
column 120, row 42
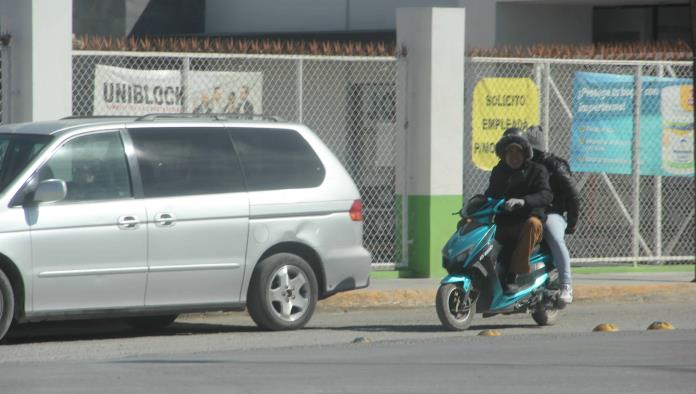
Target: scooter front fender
column 464, row 280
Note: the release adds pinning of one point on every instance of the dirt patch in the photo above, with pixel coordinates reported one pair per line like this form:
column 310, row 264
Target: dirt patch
column 682, row 292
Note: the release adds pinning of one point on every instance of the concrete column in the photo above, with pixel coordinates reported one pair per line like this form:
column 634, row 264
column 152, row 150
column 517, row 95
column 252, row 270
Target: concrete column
column 40, row 58
column 431, row 114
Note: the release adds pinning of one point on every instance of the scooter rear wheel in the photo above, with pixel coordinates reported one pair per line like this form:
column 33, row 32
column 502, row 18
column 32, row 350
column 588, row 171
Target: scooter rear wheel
column 455, row 307
column 545, row 317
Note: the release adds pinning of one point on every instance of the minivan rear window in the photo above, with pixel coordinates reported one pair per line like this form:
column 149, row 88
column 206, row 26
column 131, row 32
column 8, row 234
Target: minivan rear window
column 277, row 159
column 186, row 161
column 16, row 151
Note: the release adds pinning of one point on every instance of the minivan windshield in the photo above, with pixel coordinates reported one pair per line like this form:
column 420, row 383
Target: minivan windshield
column 16, row 151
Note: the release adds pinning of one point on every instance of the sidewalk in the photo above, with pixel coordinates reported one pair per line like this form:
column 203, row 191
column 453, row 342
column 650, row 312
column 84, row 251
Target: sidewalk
column 616, row 287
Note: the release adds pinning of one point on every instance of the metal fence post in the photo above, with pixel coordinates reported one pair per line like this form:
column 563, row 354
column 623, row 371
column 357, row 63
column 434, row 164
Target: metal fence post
column 692, row 17
column 300, row 72
column 547, row 115
column 635, row 159
column 403, row 116
column 658, row 196
column 185, row 68
column 6, row 92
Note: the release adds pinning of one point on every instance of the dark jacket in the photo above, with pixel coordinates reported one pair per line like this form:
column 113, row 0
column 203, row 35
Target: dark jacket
column 565, row 192
column 530, row 182
column 245, row 107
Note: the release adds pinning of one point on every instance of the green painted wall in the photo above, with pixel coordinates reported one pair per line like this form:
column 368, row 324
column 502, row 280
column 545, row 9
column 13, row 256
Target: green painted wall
column 430, row 224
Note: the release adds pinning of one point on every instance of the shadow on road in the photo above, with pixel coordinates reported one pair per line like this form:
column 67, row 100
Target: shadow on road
column 424, row 327
column 85, row 330
column 108, row 329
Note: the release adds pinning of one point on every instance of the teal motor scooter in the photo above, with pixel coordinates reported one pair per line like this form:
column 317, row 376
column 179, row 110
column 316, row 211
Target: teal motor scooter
column 473, row 282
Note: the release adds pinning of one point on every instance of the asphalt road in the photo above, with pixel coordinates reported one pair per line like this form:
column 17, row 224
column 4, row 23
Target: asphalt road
column 398, row 350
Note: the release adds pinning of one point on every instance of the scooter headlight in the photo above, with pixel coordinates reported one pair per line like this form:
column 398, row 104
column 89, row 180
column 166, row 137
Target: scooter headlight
column 461, row 257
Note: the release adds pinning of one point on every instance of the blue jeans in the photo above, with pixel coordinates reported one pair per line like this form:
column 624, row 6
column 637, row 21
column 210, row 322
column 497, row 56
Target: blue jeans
column 554, row 234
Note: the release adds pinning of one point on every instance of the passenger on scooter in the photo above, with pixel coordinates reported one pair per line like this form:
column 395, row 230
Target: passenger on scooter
column 562, row 214
column 525, row 187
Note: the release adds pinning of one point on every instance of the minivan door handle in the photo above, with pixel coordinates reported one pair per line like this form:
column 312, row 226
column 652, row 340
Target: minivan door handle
column 164, row 219
column 128, row 222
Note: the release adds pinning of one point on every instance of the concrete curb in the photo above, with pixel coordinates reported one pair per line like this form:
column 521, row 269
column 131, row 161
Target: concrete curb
column 409, row 298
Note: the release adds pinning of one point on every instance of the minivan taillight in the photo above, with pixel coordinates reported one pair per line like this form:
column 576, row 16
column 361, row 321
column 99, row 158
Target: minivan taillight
column 356, row 211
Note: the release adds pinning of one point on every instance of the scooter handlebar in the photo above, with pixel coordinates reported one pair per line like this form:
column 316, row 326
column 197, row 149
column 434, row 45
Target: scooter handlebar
column 491, row 207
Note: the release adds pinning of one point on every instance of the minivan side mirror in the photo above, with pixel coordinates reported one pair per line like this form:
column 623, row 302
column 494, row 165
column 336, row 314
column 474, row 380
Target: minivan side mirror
column 50, row 190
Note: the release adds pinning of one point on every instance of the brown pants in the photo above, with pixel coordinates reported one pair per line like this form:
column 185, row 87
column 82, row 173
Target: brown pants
column 524, row 236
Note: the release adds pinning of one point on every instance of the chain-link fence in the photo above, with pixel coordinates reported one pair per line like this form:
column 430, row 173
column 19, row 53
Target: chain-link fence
column 4, row 91
column 585, row 107
column 592, row 117
column 348, row 101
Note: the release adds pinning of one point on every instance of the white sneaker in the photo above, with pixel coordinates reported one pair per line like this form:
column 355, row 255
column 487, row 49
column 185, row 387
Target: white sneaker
column 566, row 294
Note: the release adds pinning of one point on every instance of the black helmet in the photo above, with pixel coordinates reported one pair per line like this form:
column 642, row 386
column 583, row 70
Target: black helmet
column 535, row 136
column 512, row 131
column 513, row 136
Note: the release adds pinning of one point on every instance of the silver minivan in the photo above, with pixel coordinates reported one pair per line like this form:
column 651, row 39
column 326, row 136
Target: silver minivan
column 146, row 218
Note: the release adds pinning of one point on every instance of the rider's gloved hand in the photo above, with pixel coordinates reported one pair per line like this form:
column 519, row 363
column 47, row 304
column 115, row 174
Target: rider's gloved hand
column 513, row 204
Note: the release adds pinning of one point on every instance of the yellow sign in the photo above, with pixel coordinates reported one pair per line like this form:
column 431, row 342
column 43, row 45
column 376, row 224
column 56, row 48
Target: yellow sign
column 686, row 97
column 500, row 103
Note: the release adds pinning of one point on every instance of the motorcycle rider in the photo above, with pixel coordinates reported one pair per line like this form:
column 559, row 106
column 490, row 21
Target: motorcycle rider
column 562, row 214
column 525, row 187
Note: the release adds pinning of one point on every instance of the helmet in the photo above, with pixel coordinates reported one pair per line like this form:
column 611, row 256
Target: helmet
column 535, row 136
column 513, row 136
column 512, row 131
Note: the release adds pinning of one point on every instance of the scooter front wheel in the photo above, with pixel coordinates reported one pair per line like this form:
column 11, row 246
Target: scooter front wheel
column 455, row 307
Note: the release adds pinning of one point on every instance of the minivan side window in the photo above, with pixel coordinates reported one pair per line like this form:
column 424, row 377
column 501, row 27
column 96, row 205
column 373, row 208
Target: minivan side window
column 94, row 167
column 16, row 152
column 186, row 161
column 277, row 159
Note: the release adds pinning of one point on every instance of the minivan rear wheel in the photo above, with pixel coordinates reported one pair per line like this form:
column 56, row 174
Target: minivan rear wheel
column 283, row 293
column 6, row 304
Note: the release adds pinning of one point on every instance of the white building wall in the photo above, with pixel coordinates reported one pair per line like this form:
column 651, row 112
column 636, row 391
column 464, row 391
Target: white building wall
column 489, row 22
column 272, row 16
column 40, row 58
column 530, row 24
column 15, row 19
column 243, row 17
column 432, row 88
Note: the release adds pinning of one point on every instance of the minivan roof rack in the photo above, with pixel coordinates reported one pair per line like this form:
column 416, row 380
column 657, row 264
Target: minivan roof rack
column 98, row 117
column 214, row 116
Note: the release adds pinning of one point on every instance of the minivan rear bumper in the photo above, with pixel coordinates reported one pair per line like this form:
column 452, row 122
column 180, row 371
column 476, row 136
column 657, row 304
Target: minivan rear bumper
column 348, row 271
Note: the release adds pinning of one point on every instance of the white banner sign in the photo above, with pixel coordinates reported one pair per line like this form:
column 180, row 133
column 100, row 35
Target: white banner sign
column 225, row 92
column 123, row 91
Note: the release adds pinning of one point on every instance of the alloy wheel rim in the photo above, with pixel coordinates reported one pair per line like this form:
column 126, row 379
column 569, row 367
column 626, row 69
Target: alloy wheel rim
column 459, row 304
column 289, row 293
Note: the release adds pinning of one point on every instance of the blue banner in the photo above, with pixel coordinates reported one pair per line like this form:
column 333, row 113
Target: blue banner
column 602, row 130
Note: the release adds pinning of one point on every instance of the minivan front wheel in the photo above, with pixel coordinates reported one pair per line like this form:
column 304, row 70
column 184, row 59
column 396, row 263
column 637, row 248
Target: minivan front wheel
column 6, row 304
column 283, row 293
